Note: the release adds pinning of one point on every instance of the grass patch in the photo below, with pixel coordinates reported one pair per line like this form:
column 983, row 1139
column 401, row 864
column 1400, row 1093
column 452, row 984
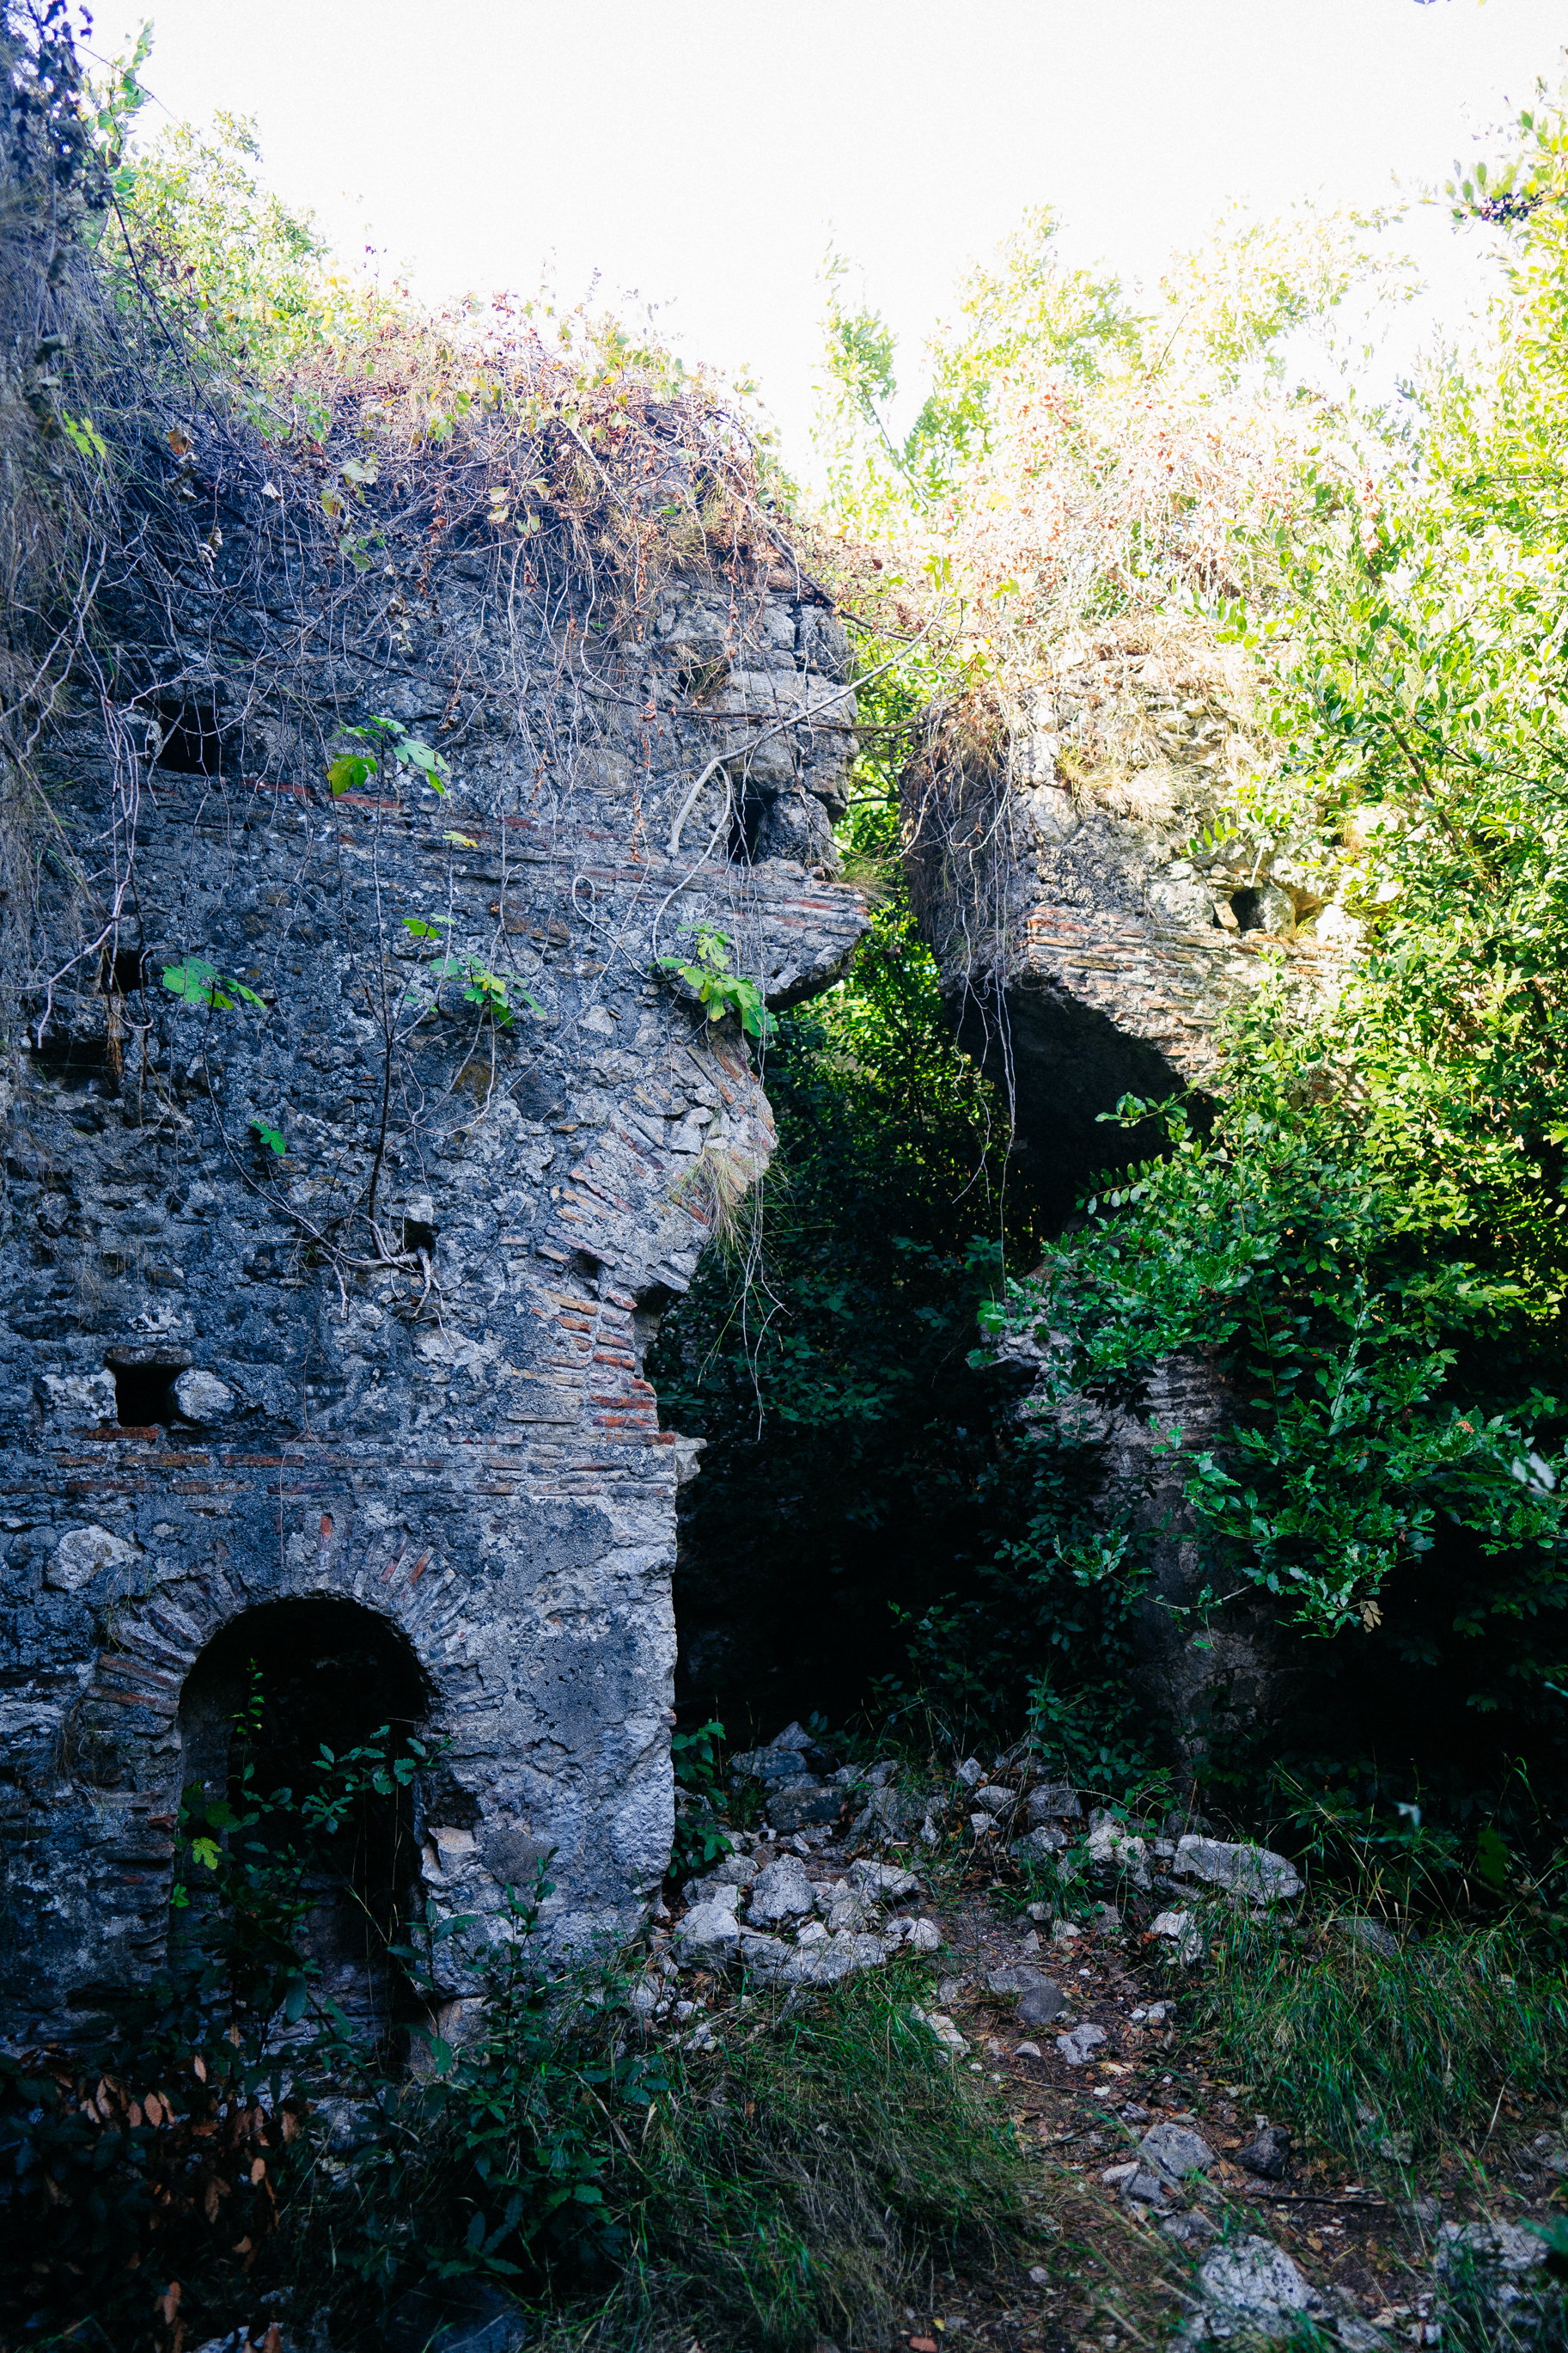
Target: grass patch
column 805, row 2178
column 1384, row 2052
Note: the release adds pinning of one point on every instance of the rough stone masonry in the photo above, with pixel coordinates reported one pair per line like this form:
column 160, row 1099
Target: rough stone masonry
column 329, row 1265
column 1095, row 908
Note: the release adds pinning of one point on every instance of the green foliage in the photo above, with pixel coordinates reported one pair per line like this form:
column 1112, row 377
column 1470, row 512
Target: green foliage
column 1079, row 347
column 823, row 1355
column 800, row 2174
column 800, row 2182
column 1366, row 1238
column 198, row 982
column 270, row 1138
column 241, row 278
column 700, row 1840
column 490, row 991
column 719, row 985
column 168, row 2157
column 1270, row 1244
column 390, row 742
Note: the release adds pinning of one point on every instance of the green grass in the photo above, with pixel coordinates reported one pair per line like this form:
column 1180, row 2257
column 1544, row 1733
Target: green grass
column 1365, row 2047
column 805, row 2178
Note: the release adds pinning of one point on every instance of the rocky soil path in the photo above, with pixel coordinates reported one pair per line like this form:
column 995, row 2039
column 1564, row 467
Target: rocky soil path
column 1168, row 2197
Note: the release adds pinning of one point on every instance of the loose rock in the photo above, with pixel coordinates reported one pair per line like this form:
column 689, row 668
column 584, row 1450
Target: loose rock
column 1176, row 2151
column 883, row 1880
column 1267, row 2153
column 1054, row 1801
column 1496, row 2257
column 1037, row 1846
column 1112, row 1846
column 798, row 1804
column 942, row 2028
column 782, row 1892
column 1183, row 1931
column 771, row 1764
column 1022, row 1980
column 1076, row 2045
column 915, row 1936
column 1041, row 2003
column 708, row 1932
column 1251, row 2289
column 1370, row 1932
column 1252, row 1870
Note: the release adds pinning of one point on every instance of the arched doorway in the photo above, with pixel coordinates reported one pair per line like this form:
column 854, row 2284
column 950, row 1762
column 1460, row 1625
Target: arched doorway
column 273, row 1690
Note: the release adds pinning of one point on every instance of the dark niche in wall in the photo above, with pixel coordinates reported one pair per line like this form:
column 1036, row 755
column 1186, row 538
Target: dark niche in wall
column 267, row 1693
column 192, row 741
column 143, row 1392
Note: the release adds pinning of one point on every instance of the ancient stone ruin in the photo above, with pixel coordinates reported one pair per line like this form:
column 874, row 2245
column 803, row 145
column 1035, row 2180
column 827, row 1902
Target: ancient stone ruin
column 1093, row 919
column 364, row 1130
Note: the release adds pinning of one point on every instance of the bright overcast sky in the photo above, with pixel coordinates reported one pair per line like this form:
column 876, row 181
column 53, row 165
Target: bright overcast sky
column 705, row 154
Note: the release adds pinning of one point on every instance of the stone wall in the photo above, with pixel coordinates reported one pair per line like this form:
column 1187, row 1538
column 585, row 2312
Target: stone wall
column 389, row 1383
column 1093, row 917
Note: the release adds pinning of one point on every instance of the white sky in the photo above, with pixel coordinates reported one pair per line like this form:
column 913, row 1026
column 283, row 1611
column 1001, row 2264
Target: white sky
column 705, row 154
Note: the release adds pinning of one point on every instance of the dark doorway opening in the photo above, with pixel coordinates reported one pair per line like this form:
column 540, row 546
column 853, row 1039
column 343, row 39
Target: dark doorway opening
column 268, row 1692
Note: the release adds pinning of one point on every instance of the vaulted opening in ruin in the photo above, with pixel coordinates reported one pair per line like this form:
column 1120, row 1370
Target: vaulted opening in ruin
column 277, row 1691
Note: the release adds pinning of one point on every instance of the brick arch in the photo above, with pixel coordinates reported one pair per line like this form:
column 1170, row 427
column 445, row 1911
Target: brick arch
column 122, row 1754
column 332, row 1671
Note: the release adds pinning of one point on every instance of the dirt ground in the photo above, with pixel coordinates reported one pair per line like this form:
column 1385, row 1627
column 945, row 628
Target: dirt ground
column 1108, row 2272
column 1113, row 2271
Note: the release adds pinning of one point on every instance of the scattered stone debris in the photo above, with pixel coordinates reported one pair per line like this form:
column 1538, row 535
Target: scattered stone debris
column 1037, row 1846
column 1176, row 2151
column 1111, row 1844
column 1251, row 1871
column 1079, row 2043
column 1055, row 1801
column 1250, row 2288
column 1370, row 1932
column 1266, row 2154
column 1024, row 1979
column 1113, row 2093
column 1181, row 1929
column 1491, row 2263
column 942, row 2027
column 1039, row 2005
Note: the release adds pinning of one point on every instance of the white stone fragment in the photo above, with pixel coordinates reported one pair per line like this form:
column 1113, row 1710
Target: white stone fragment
column 942, row 2027
column 1181, row 1929
column 1252, row 2288
column 708, row 1932
column 782, row 1892
column 1113, row 1846
column 81, row 1553
column 884, row 1881
column 202, row 1397
column 1252, row 1870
